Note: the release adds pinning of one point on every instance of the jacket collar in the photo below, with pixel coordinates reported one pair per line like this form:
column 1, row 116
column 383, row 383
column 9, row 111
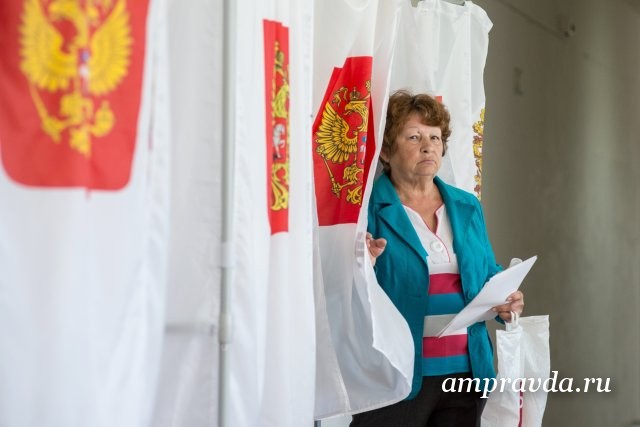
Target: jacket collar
column 460, row 209
column 459, row 206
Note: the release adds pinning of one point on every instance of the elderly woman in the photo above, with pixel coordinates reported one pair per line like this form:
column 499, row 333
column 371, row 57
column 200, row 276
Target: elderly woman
column 437, row 258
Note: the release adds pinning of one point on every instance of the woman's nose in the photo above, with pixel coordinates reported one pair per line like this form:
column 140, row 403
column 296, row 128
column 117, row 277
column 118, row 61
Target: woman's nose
column 427, row 146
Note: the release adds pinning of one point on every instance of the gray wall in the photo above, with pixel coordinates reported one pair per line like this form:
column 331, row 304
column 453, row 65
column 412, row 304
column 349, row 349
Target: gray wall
column 561, row 180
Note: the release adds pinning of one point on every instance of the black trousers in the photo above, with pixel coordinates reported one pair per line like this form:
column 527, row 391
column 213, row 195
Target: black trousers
column 432, row 407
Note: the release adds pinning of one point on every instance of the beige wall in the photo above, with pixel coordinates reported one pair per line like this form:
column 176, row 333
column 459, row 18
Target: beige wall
column 561, row 180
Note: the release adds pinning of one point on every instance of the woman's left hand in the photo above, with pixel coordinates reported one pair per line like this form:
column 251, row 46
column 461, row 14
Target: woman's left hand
column 515, row 303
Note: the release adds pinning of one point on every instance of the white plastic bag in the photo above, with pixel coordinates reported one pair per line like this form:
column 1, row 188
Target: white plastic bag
column 523, row 355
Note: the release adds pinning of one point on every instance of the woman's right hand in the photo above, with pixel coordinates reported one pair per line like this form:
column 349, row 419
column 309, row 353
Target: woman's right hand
column 375, row 246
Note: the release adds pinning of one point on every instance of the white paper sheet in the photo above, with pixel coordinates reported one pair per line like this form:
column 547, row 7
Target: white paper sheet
column 494, row 292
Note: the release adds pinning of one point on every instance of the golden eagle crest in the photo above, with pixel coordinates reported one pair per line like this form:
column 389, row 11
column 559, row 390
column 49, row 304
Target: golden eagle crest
column 341, row 139
column 478, row 139
column 90, row 63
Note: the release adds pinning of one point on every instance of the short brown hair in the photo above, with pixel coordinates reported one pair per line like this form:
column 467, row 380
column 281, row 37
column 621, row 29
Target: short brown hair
column 403, row 104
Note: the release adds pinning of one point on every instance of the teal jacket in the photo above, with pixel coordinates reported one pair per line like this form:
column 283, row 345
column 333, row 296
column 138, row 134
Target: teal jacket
column 403, row 273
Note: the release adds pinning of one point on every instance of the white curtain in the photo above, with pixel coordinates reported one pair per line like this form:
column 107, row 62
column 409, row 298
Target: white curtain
column 365, row 350
column 187, row 394
column 82, row 265
column 272, row 348
column 272, row 357
column 441, row 50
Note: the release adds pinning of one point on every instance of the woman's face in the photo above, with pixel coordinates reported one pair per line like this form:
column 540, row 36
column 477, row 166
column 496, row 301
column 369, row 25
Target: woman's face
column 419, row 151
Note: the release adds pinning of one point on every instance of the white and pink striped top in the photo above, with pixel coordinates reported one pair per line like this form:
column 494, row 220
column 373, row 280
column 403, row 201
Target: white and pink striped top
column 448, row 354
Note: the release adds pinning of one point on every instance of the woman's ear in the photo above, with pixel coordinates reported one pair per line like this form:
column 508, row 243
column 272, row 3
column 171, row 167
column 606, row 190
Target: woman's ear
column 384, row 155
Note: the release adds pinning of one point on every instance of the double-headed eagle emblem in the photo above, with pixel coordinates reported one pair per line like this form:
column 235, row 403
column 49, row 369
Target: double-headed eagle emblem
column 341, row 138
column 90, row 63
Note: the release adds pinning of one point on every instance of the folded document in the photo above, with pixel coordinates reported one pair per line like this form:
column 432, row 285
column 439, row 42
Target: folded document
column 494, row 292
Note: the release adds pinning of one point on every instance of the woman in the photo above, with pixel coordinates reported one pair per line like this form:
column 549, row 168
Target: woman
column 437, row 258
